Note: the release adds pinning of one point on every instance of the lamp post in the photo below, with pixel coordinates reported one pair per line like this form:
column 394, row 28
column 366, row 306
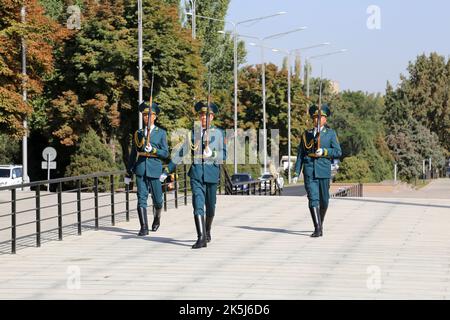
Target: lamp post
column 289, row 53
column 25, row 178
column 235, row 66
column 263, row 71
column 316, row 57
column 140, row 55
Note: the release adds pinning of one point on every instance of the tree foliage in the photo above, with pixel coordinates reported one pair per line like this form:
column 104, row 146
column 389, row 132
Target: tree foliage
column 40, row 34
column 91, row 156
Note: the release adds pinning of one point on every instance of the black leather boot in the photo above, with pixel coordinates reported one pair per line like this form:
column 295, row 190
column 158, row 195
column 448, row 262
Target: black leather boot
column 156, row 219
column 315, row 215
column 323, row 212
column 209, row 221
column 142, row 214
column 201, row 232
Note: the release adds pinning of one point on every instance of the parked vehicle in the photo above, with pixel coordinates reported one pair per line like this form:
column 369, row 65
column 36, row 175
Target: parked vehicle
column 265, row 183
column 10, row 175
column 241, row 177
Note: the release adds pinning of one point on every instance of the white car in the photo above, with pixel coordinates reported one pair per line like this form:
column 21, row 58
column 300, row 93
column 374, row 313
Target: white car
column 10, row 175
column 265, row 184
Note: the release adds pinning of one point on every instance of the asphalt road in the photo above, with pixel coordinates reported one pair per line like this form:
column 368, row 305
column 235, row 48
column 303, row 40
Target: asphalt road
column 295, row 190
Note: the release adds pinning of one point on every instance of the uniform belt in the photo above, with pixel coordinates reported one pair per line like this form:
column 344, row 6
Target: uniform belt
column 313, row 155
column 147, row 155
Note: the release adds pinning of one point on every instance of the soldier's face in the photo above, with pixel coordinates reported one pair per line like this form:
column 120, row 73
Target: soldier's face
column 203, row 118
column 323, row 120
column 145, row 117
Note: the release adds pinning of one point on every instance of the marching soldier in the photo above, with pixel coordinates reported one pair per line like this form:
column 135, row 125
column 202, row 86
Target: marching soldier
column 207, row 146
column 149, row 148
column 316, row 162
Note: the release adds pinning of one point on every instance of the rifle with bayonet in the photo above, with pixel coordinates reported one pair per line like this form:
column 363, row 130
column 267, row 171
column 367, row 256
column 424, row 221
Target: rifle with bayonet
column 150, row 108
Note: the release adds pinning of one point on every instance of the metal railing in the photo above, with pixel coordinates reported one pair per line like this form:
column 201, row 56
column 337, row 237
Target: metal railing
column 355, row 190
column 71, row 201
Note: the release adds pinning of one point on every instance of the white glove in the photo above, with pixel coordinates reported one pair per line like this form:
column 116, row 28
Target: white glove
column 207, row 152
column 127, row 180
column 294, row 180
column 163, row 177
column 319, row 152
column 148, row 148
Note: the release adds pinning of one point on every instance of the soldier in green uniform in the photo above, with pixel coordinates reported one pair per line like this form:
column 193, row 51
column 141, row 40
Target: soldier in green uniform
column 146, row 162
column 316, row 163
column 208, row 150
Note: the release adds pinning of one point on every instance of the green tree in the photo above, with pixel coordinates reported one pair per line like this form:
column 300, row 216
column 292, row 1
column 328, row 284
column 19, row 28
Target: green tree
column 96, row 83
column 409, row 140
column 91, row 156
column 353, row 169
column 357, row 119
column 250, row 103
column 216, row 49
column 9, row 152
column 40, row 34
column 427, row 88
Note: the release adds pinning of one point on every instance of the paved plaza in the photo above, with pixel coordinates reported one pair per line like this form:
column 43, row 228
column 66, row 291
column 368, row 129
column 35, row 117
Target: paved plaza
column 373, row 248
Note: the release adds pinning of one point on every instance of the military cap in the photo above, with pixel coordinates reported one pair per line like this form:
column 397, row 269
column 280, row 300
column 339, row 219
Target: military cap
column 202, row 107
column 145, row 108
column 314, row 110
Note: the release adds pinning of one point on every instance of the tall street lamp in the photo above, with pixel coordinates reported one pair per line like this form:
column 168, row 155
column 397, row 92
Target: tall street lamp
column 289, row 53
column 25, row 178
column 263, row 71
column 140, row 55
column 235, row 67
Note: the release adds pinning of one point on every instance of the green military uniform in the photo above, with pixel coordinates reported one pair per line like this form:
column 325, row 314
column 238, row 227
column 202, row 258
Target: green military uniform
column 317, row 169
column 147, row 165
column 204, row 174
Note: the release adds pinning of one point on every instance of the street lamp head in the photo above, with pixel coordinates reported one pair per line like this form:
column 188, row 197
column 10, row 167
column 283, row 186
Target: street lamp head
column 252, row 44
column 281, row 12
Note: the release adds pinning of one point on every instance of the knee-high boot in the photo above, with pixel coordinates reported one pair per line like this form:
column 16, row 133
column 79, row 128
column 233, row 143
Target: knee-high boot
column 156, row 219
column 142, row 214
column 323, row 211
column 209, row 221
column 315, row 215
column 201, row 231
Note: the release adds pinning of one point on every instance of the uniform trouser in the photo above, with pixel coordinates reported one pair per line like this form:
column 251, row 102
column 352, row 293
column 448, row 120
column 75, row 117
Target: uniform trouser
column 318, row 190
column 146, row 185
column 203, row 194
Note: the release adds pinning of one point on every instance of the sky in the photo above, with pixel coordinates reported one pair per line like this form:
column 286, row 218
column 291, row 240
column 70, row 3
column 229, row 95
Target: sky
column 381, row 36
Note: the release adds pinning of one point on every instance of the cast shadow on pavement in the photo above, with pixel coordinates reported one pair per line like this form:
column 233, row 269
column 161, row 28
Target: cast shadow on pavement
column 132, row 234
column 297, row 233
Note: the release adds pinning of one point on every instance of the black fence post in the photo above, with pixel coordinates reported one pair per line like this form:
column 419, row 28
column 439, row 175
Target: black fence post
column 176, row 188
column 38, row 215
column 96, row 202
column 113, row 217
column 127, row 201
column 165, row 196
column 13, row 221
column 60, row 233
column 79, row 206
column 185, row 184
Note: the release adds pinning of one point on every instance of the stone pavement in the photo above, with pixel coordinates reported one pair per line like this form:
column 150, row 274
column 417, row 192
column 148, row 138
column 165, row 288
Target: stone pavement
column 373, row 248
